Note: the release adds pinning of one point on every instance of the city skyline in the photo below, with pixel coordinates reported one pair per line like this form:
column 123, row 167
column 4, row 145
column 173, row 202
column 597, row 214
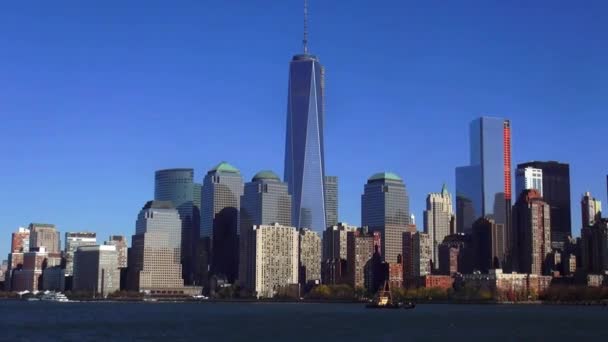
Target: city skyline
column 52, row 188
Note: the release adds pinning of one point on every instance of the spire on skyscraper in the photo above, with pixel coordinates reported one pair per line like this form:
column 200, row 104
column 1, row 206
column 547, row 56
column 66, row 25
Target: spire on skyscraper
column 305, row 40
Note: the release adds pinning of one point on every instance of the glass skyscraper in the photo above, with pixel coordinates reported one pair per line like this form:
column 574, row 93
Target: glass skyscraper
column 304, row 149
column 331, row 200
column 385, row 208
column 177, row 186
column 483, row 189
column 221, row 202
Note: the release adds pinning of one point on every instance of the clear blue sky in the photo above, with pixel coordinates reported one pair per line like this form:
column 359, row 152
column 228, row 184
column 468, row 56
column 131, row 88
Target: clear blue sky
column 96, row 95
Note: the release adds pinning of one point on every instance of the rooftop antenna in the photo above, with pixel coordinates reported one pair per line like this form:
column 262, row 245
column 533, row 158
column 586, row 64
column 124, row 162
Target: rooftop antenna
column 305, row 40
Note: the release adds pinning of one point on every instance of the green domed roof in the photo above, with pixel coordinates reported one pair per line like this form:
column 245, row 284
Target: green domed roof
column 385, row 176
column 224, row 167
column 265, row 174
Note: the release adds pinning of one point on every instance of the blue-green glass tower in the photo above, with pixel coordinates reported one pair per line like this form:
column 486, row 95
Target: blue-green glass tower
column 304, row 148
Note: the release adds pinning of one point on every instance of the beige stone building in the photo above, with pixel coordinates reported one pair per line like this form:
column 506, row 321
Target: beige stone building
column 276, row 258
column 310, row 256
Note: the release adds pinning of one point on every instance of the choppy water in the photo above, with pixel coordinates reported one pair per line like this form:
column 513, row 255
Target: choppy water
column 44, row 321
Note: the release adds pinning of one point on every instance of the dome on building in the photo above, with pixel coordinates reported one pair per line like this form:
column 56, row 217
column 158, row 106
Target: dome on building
column 385, row 176
column 265, row 175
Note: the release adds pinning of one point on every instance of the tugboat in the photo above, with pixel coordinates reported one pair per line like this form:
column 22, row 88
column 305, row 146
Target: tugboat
column 384, row 300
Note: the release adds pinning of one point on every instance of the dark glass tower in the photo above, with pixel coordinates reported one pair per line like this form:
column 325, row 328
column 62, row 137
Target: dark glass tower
column 483, row 189
column 304, row 148
column 385, row 208
column 177, row 186
column 556, row 192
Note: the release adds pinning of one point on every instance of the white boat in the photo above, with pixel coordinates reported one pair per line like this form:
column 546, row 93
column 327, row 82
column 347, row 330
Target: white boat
column 54, row 297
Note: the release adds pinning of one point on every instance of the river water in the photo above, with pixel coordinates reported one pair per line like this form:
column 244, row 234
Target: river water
column 47, row 321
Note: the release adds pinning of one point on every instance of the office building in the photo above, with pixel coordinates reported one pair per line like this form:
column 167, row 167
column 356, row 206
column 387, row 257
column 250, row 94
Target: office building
column 221, row 202
column 437, row 220
column 385, row 208
column 265, row 201
column 594, row 248
column 154, row 258
column 334, row 241
column 331, row 200
column 481, row 246
column 53, row 279
column 532, row 223
column 417, row 254
column 45, row 235
column 73, row 240
column 483, row 188
column 304, row 143
column 29, row 276
column 556, row 192
column 591, row 210
column 120, row 242
column 310, row 256
column 527, row 178
column 455, row 254
column 20, row 240
column 361, row 246
column 96, row 270
column 276, row 258
column 177, row 186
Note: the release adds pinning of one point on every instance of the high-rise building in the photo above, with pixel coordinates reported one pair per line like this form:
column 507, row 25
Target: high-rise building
column 20, row 240
column 96, row 270
column 221, row 202
column 591, row 210
column 73, row 240
column 532, row 222
column 265, row 201
column 178, row 187
column 120, row 242
column 154, row 258
column 594, row 248
column 417, row 254
column 455, row 254
column 310, row 256
column 361, row 246
column 276, row 258
column 385, row 208
column 485, row 245
column 304, row 143
column 483, row 188
column 556, row 192
column 334, row 241
column 29, row 276
column 528, row 178
column 45, row 235
column 437, row 220
column 331, row 200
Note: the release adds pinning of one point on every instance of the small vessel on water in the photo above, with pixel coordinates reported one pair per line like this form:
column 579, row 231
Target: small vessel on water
column 54, row 297
column 384, row 300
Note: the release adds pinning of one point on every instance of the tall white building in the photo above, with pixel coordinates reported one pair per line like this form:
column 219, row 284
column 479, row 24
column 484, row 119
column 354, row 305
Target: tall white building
column 276, row 258
column 437, row 220
column 528, row 178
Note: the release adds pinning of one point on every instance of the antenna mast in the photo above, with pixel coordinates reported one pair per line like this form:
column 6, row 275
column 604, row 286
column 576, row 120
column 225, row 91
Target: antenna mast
column 305, row 40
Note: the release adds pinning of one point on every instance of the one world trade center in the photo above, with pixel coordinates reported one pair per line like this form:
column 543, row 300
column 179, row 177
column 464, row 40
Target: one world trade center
column 304, row 148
